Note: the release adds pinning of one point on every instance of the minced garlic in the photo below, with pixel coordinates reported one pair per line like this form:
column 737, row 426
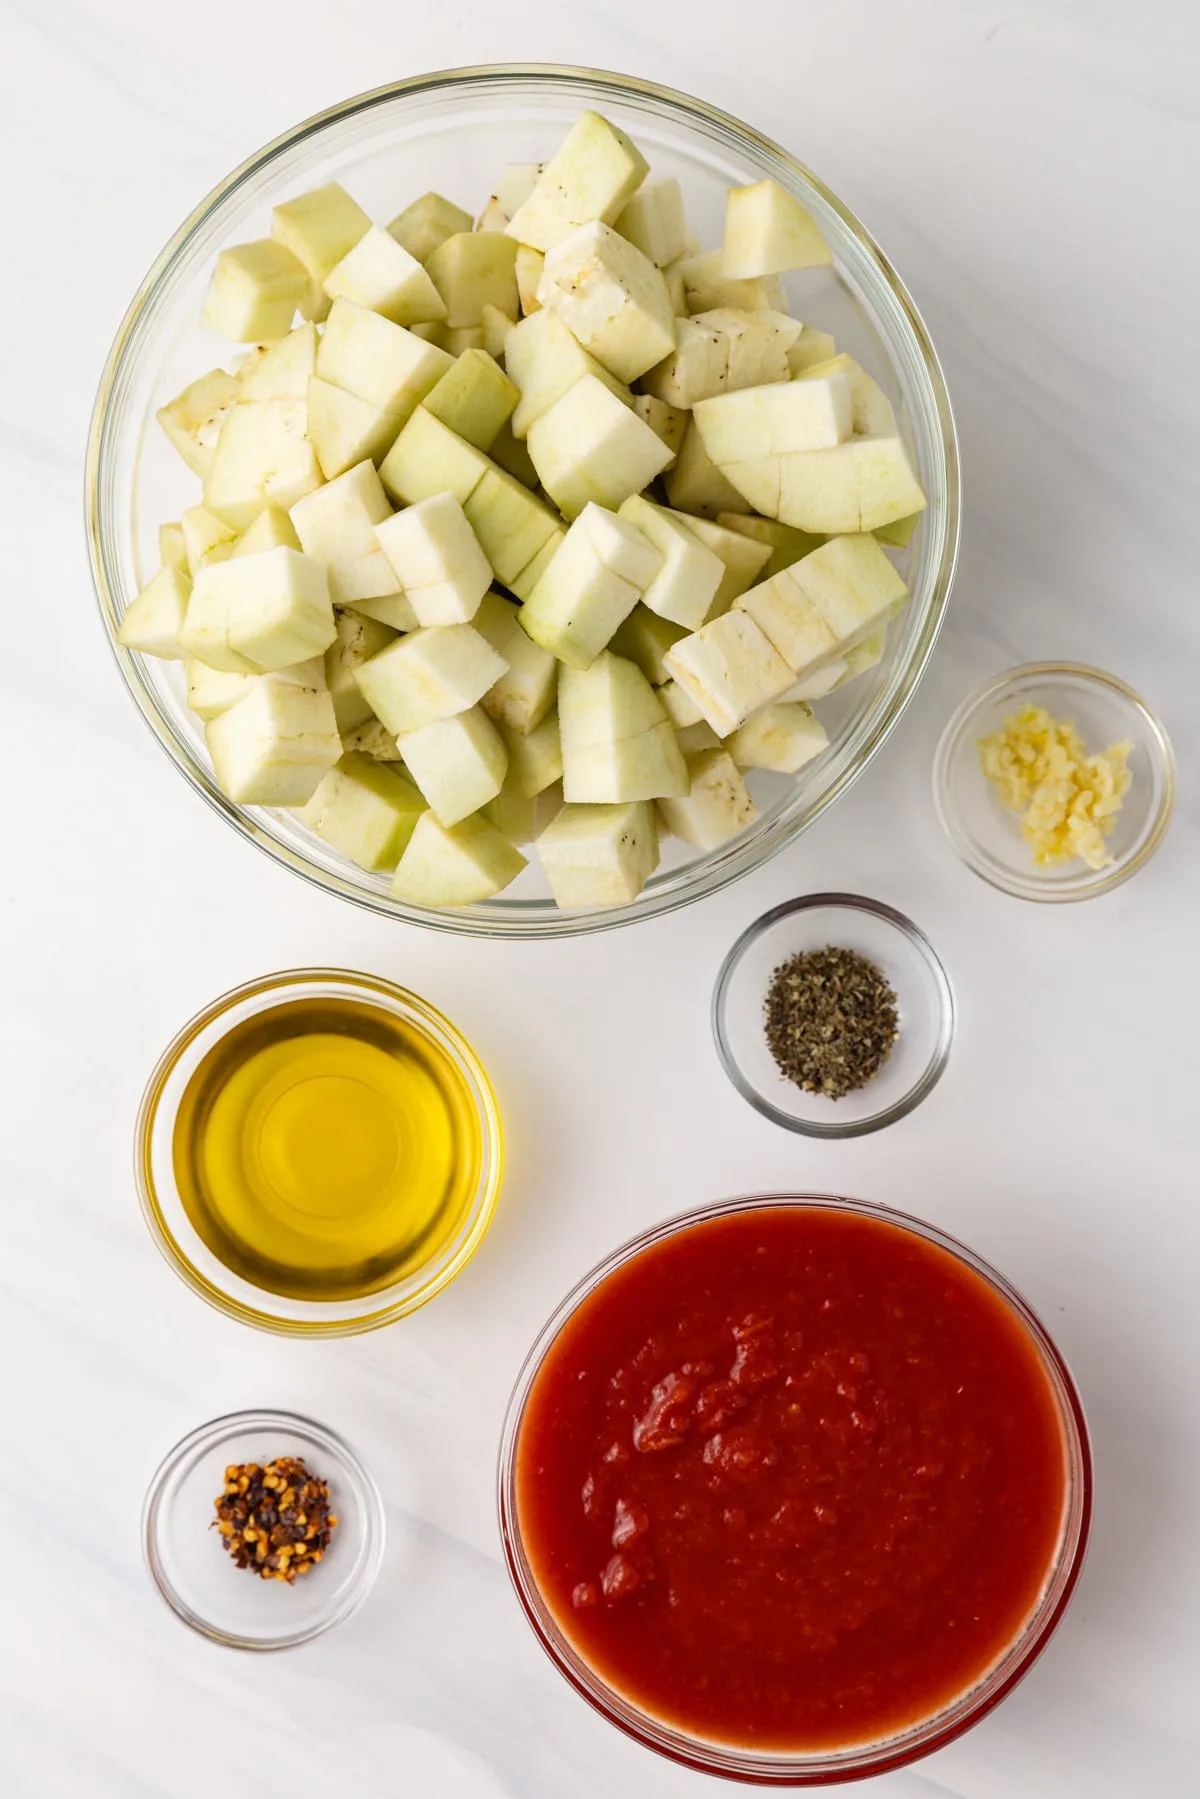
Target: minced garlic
column 1068, row 800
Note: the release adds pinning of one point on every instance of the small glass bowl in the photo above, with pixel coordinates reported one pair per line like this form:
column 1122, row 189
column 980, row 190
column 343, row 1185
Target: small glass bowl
column 163, row 1206
column 202, row 1584
column 898, row 949
column 987, row 836
column 856, row 1761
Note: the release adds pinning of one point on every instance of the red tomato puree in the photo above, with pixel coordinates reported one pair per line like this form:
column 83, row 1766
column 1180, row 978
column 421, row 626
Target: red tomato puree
column 792, row 1478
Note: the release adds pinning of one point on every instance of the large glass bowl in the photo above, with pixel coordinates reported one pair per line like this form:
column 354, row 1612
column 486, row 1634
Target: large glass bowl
column 454, row 131
column 818, row 1767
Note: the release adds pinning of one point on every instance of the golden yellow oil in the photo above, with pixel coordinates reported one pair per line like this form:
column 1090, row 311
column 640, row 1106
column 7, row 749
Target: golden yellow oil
column 325, row 1149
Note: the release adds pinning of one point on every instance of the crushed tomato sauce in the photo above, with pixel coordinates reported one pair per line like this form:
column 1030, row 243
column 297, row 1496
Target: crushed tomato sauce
column 792, row 1478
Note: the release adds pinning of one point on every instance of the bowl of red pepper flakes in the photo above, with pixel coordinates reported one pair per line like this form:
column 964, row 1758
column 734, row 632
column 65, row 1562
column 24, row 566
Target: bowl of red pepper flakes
column 273, row 1496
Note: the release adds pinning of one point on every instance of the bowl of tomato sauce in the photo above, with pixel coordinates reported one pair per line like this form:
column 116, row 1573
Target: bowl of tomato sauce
column 794, row 1489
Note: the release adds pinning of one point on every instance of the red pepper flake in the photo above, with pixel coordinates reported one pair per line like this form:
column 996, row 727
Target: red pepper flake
column 274, row 1517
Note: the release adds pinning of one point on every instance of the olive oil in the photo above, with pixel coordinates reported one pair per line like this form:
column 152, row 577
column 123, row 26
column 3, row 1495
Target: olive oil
column 325, row 1149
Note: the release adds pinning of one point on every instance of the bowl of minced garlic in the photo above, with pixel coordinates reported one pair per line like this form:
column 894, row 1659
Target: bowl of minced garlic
column 1031, row 804
column 1066, row 799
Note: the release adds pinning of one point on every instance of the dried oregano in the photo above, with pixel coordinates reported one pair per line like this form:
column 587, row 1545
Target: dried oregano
column 831, row 1020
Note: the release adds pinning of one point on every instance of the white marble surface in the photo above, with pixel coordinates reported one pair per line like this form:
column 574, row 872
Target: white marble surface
column 1026, row 166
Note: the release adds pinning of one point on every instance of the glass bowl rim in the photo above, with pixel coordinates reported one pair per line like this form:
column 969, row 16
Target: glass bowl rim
column 366, row 1495
column 719, row 869
column 738, row 1763
column 1030, row 887
column 930, row 1075
column 289, row 983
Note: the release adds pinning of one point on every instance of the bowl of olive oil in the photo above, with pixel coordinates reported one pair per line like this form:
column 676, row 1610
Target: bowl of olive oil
column 318, row 1152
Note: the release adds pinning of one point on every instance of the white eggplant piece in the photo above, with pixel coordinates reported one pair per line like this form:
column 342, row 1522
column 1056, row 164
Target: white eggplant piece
column 594, row 172
column 366, row 810
column 357, row 640
column 456, row 866
column 153, row 622
column 716, row 805
column 522, row 817
column 344, row 429
column 458, row 763
column 689, row 575
column 870, row 409
column 426, row 223
column 810, row 414
column 743, row 559
column 599, row 855
column 474, row 398
column 436, row 559
column 211, row 691
column 767, row 231
column 588, row 446
column 383, row 276
column 429, row 459
column 654, row 220
column 544, row 361
column 255, row 292
column 495, row 326
column 513, row 527
column 852, row 585
column 431, row 674
column 730, row 669
column 528, row 268
column 284, row 369
column 815, row 683
column 337, row 521
column 668, row 422
column 811, row 347
column 590, row 587
column 534, row 757
column 206, row 538
column 263, row 457
column 193, row 419
column 610, row 297
column 384, row 364
column 526, row 692
column 784, row 613
column 706, row 286
column 644, row 639
column 259, row 613
column 517, row 181
column 695, row 484
column 274, row 746
column 471, row 270
column 617, row 741
column 172, row 550
column 863, row 485
column 271, row 530
column 781, row 737
column 319, row 228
